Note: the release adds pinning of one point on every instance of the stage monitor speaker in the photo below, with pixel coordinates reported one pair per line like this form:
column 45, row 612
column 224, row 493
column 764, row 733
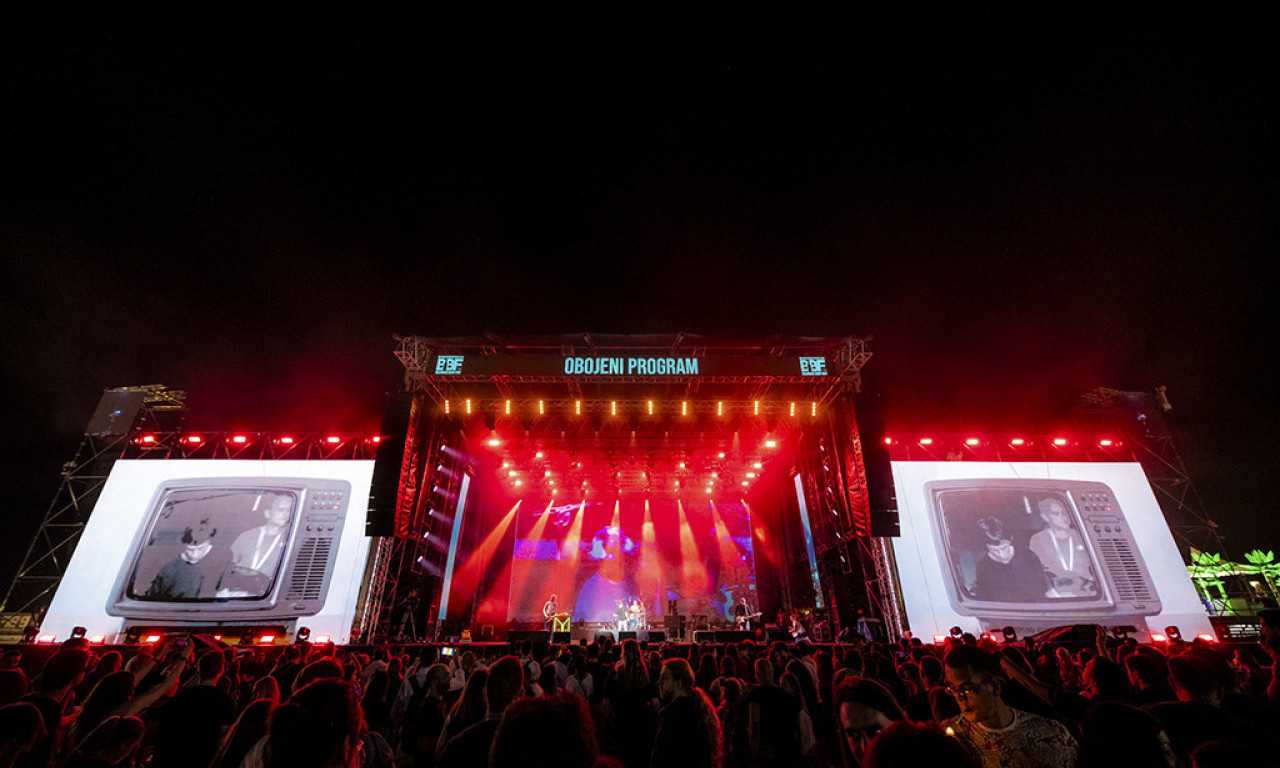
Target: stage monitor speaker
column 777, row 633
column 533, row 636
column 704, row 636
column 733, row 635
column 626, row 636
column 602, row 634
column 881, row 493
column 655, row 636
column 381, row 519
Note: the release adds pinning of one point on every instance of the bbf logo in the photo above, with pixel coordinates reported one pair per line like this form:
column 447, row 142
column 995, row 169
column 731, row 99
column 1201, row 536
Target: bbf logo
column 447, row 364
column 813, row 366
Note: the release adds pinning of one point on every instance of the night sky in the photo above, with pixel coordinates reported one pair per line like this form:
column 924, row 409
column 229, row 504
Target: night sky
column 1019, row 209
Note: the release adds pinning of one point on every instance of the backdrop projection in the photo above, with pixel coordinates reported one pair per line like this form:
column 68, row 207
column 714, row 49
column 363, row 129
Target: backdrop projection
column 632, row 561
column 987, row 545
column 220, row 543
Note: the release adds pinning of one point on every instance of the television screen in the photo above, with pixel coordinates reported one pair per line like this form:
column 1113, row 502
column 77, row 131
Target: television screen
column 1033, row 546
column 216, row 543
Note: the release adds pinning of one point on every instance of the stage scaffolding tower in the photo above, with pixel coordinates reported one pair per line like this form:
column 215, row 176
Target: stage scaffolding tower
column 121, row 413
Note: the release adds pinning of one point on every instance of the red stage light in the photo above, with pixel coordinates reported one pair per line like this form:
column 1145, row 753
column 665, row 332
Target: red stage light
column 494, row 442
column 751, row 474
column 1208, row 638
column 650, row 404
column 577, row 407
column 1105, row 443
column 194, row 439
column 468, row 406
column 267, row 639
column 813, row 408
column 98, row 639
column 926, row 441
column 239, row 439
column 755, row 407
column 148, row 438
column 47, row 638
column 684, row 408
column 519, row 483
column 770, row 443
column 1059, row 441
column 1156, row 637
column 286, row 440
column 333, row 439
column 376, row 439
column 446, row 407
column 507, row 408
column 152, row 639
column 758, row 465
column 720, row 409
column 972, row 441
column 1017, row 441
column 541, row 408
column 793, row 410
column 888, row 441
column 720, row 455
column 613, row 407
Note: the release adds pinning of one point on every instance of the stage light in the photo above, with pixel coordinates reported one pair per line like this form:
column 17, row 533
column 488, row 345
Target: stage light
column 813, row 408
column 1156, row 637
column 613, row 407
column 446, row 407
column 719, row 407
column 770, row 443
column 1059, row 441
column 78, row 632
column 507, row 408
column 1105, row 443
column 650, row 404
column 971, row 441
column 148, row 439
column 744, row 482
column 956, row 631
column 553, row 491
column 468, row 406
column 1017, row 441
column 47, row 638
column 1208, row 638
column 217, row 638
column 98, row 639
column 494, row 442
column 751, row 474
column 194, row 439
column 266, row 639
column 755, row 407
column 715, row 474
column 546, row 473
column 708, row 490
column 793, row 409
column 682, row 465
column 541, row 408
column 684, row 407
column 302, row 635
column 758, row 465
column 322, row 640
column 577, row 407
column 149, row 639
column 720, row 455
column 926, row 441
column 1173, row 632
column 1010, row 634
column 286, row 440
column 888, row 441
column 939, row 640
column 239, row 439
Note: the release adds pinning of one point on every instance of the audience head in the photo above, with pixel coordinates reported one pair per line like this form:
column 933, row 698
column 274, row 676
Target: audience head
column 864, row 707
column 320, row 726
column 909, row 745
column 551, row 731
column 506, row 681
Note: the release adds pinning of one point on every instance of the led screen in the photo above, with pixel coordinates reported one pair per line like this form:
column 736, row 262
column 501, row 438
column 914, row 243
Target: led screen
column 606, row 561
column 189, row 542
column 986, row 545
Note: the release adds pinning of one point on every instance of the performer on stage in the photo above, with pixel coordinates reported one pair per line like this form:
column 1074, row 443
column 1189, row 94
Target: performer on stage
column 549, row 611
column 740, row 613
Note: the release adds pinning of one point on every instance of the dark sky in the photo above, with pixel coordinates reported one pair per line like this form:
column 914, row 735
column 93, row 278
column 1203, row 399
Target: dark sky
column 1019, row 208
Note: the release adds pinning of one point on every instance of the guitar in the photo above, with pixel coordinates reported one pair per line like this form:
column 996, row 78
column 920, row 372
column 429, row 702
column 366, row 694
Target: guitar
column 742, row 621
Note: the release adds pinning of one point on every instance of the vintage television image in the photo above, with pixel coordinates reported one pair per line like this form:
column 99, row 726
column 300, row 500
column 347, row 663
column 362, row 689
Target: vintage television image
column 235, row 548
column 1030, row 546
column 220, row 543
column 1036, row 548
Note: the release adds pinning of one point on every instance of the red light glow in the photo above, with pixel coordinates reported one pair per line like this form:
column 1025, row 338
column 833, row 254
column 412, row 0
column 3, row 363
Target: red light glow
column 286, row 440
column 1059, row 441
column 972, row 441
column 888, row 441
column 98, row 639
column 148, row 438
column 194, row 439
column 1208, row 638
column 47, row 638
column 1105, row 443
column 1017, row 441
column 239, row 439
column 770, row 443
column 152, row 639
column 267, row 639
column 1156, row 637
column 926, row 441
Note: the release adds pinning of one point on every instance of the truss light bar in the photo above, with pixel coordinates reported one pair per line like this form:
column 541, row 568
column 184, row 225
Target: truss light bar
column 1017, row 441
column 1059, row 441
column 926, row 441
column 972, row 441
column 333, row 439
column 541, row 408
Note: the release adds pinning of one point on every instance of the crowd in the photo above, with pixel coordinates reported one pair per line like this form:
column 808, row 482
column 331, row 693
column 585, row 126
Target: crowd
column 967, row 702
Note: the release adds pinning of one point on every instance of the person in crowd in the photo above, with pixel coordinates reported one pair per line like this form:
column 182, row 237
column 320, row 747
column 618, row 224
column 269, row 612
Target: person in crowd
column 472, row 745
column 21, row 728
column 910, row 745
column 773, row 721
column 190, row 727
column 863, row 709
column 1197, row 716
column 1116, row 735
column 580, row 683
column 424, row 718
column 250, row 727
column 545, row 732
column 113, row 743
column 320, row 727
column 688, row 729
column 468, row 710
column 54, row 698
column 1002, row 737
